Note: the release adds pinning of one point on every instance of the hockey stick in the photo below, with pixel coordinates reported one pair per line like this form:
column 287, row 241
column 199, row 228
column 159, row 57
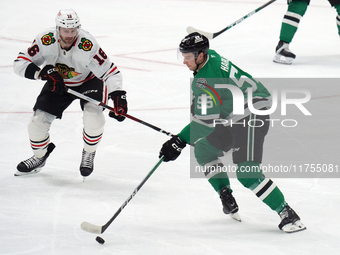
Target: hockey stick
column 91, row 100
column 88, row 227
column 213, row 35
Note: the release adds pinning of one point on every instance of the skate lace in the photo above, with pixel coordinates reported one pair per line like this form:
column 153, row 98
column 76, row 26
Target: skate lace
column 33, row 162
column 87, row 159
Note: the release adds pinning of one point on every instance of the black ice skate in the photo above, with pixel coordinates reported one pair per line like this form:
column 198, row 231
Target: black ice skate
column 33, row 164
column 229, row 204
column 290, row 221
column 283, row 54
column 86, row 166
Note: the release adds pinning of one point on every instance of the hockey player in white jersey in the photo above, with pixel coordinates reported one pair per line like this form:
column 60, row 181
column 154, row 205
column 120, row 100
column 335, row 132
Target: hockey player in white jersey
column 68, row 56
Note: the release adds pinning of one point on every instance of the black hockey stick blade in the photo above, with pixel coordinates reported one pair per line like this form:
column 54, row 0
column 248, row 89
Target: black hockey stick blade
column 213, row 35
column 91, row 228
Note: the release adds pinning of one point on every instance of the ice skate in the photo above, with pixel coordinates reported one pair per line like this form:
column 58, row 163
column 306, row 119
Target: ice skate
column 229, row 204
column 34, row 164
column 283, row 54
column 290, row 221
column 86, row 166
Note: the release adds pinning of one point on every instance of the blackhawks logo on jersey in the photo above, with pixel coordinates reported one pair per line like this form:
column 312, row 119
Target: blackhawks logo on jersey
column 48, row 39
column 66, row 72
column 85, row 44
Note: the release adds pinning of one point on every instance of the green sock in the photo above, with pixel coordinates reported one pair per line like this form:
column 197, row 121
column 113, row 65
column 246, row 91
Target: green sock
column 219, row 181
column 296, row 10
column 251, row 176
column 337, row 8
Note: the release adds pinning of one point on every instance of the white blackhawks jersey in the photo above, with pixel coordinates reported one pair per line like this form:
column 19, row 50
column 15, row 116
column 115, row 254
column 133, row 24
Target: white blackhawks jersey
column 82, row 62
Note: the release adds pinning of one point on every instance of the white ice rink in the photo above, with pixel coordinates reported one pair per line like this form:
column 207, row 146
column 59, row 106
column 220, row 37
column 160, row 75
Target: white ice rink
column 173, row 213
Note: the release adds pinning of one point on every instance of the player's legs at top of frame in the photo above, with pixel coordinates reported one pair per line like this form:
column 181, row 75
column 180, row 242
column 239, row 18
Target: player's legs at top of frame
column 289, row 26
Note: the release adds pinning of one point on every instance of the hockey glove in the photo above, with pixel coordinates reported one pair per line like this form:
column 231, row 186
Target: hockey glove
column 172, row 148
column 56, row 83
column 119, row 104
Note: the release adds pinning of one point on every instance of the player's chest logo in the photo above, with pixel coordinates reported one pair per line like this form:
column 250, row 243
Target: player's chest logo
column 66, row 72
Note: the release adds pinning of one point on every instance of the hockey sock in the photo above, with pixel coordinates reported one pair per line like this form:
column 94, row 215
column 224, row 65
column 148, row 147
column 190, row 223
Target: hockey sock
column 219, row 181
column 216, row 176
column 266, row 190
column 291, row 19
column 337, row 8
column 91, row 142
column 40, row 147
column 251, row 177
column 38, row 131
column 93, row 119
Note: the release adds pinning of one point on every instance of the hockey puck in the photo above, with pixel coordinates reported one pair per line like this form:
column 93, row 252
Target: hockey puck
column 100, row 240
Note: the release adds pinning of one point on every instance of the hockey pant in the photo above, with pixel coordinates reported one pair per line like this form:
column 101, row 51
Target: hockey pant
column 50, row 106
column 296, row 10
column 246, row 142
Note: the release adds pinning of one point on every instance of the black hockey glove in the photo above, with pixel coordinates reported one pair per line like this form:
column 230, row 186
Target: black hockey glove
column 172, row 148
column 56, row 83
column 119, row 104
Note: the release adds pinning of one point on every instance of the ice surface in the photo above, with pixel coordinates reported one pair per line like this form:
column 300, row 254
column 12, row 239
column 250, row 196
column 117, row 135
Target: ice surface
column 172, row 213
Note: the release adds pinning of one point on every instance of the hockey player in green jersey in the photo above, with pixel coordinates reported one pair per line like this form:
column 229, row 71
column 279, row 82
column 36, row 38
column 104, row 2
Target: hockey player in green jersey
column 290, row 23
column 216, row 85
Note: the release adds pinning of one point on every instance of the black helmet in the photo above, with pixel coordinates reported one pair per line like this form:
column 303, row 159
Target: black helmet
column 195, row 43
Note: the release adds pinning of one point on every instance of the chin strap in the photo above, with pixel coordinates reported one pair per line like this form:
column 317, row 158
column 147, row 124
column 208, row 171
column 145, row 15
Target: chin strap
column 198, row 64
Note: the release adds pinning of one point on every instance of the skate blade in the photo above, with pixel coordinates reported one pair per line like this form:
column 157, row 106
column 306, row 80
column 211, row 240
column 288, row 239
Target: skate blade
column 283, row 60
column 35, row 171
column 235, row 216
column 295, row 227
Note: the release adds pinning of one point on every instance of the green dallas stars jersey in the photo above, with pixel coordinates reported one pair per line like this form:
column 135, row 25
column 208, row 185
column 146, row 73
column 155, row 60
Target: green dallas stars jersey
column 212, row 100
